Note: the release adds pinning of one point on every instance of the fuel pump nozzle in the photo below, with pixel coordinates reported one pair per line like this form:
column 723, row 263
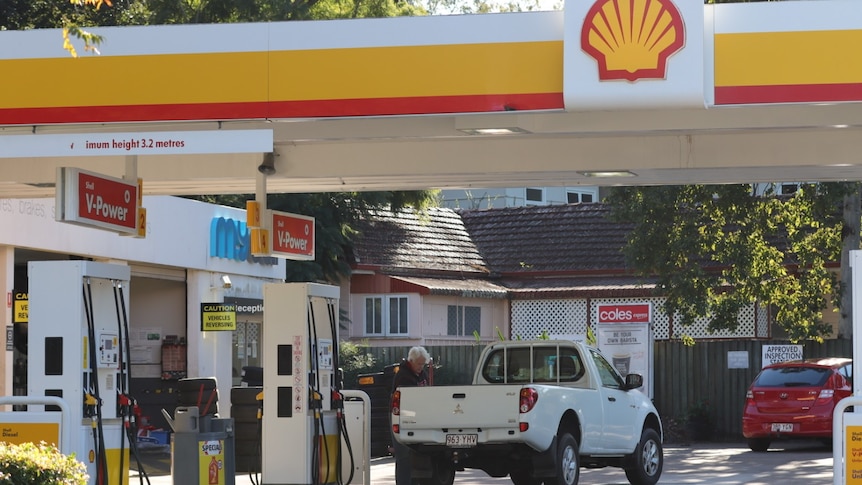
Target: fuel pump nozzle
column 259, row 399
column 90, row 403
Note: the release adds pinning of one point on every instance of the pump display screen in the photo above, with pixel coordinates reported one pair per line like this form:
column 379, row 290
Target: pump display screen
column 108, row 350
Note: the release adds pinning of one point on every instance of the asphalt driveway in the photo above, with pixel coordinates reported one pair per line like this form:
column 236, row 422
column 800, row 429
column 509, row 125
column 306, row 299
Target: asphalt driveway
column 806, row 463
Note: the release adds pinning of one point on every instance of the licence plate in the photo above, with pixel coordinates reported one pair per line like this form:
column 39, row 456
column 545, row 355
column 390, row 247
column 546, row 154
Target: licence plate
column 782, row 427
column 461, row 440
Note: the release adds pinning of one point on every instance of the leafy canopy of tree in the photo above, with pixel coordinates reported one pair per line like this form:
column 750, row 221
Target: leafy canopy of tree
column 717, row 249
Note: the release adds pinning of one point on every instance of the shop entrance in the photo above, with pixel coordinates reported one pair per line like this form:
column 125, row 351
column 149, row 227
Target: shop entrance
column 246, row 348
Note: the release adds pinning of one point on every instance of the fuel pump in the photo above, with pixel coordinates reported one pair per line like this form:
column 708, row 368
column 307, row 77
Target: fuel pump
column 78, row 351
column 303, row 420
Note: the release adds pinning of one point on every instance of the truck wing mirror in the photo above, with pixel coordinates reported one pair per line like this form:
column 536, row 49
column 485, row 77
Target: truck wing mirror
column 634, row 381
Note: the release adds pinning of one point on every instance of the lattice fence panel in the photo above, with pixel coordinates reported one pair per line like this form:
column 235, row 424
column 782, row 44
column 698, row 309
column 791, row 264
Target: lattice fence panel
column 568, row 319
column 559, row 318
column 762, row 321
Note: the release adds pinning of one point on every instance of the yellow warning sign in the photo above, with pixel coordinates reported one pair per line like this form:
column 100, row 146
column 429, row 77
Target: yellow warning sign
column 21, row 309
column 218, row 317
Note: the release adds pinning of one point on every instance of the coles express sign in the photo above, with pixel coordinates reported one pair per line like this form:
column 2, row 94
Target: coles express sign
column 625, row 313
column 97, row 200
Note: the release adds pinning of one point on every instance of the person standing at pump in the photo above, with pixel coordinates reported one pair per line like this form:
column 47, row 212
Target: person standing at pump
column 411, row 373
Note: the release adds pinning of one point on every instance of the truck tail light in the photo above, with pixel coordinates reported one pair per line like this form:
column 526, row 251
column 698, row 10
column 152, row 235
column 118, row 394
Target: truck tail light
column 396, row 410
column 528, row 399
column 396, row 403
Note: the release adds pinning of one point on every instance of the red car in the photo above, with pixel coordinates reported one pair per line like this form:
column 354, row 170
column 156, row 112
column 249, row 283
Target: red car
column 795, row 400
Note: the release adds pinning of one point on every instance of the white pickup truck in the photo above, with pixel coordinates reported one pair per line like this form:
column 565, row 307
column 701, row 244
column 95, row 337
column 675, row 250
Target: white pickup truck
column 537, row 411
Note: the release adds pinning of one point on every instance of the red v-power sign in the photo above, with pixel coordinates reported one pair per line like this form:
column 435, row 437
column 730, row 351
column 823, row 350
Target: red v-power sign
column 92, row 199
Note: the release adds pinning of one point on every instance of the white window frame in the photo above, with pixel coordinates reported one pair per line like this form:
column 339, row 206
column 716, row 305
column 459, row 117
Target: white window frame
column 536, row 202
column 594, row 193
column 385, row 316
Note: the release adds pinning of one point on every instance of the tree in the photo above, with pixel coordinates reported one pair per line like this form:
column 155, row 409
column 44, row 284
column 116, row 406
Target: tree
column 227, row 11
column 718, row 249
column 70, row 16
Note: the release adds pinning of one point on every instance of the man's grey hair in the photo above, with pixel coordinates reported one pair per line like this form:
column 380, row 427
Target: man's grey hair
column 416, row 352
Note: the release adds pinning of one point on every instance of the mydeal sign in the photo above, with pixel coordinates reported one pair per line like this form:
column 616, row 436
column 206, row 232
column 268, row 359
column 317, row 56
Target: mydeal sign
column 91, row 199
column 625, row 313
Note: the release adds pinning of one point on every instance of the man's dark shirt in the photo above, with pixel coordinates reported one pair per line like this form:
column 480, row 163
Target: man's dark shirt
column 407, row 378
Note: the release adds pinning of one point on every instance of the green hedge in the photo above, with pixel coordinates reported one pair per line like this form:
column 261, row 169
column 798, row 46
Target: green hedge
column 39, row 464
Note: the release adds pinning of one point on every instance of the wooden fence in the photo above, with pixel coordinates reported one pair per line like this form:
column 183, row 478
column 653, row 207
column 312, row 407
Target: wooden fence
column 684, row 376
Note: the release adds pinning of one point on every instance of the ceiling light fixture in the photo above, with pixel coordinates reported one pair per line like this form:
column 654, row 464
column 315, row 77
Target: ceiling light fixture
column 608, row 173
column 494, row 131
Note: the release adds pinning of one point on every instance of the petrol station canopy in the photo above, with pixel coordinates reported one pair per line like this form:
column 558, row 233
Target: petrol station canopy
column 658, row 91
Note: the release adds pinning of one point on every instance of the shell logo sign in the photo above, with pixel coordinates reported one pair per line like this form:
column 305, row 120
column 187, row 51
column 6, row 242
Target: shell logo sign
column 632, row 39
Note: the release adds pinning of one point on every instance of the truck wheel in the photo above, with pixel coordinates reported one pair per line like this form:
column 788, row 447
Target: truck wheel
column 443, row 473
column 568, row 462
column 647, row 460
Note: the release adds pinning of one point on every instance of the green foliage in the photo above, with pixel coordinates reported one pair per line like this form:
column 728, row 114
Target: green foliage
column 39, row 464
column 354, row 359
column 231, row 11
column 591, row 337
column 699, row 411
column 717, row 249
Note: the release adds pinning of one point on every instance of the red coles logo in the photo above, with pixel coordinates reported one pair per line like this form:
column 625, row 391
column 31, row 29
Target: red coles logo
column 634, row 313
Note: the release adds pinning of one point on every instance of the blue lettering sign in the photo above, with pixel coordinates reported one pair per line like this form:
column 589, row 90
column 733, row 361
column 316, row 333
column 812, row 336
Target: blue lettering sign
column 231, row 239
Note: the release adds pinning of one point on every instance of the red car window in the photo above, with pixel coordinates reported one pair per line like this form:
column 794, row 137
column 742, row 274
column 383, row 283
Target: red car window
column 793, row 377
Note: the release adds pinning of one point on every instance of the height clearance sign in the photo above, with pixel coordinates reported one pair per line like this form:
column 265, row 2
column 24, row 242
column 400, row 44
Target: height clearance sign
column 92, row 199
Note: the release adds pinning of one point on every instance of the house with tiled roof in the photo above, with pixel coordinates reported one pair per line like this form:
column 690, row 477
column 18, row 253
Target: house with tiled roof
column 436, row 278
column 418, row 278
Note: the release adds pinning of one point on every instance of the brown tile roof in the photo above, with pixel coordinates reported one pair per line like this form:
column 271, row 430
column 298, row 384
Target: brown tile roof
column 576, row 239
column 564, row 250
column 410, row 242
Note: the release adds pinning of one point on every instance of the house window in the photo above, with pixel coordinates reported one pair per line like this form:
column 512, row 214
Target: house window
column 398, row 315
column 535, row 195
column 386, row 315
column 789, row 189
column 374, row 316
column 579, row 196
column 463, row 320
